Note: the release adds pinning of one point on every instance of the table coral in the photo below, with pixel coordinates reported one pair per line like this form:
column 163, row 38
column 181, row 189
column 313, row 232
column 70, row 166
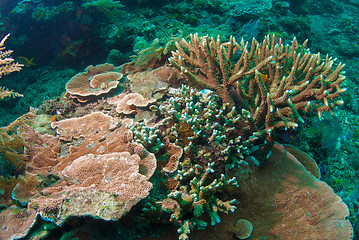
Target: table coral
column 105, row 168
column 103, row 186
column 93, row 82
column 148, row 84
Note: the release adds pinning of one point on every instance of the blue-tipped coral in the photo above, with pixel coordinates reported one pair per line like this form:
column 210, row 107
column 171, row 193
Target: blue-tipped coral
column 199, row 122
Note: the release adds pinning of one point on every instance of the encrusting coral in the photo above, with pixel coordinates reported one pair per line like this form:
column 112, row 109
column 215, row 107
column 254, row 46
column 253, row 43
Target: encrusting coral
column 129, row 103
column 148, row 84
column 7, row 65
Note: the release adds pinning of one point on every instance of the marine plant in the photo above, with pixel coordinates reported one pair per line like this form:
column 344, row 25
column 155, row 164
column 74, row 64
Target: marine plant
column 13, row 146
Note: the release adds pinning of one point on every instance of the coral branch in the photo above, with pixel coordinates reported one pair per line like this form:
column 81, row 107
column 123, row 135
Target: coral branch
column 270, row 84
column 7, row 65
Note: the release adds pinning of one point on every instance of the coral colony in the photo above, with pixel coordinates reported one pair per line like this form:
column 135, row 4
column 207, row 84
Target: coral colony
column 189, row 144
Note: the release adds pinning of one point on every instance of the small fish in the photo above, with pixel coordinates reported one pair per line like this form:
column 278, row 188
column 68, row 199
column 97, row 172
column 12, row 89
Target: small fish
column 54, row 118
column 25, row 61
column 262, row 76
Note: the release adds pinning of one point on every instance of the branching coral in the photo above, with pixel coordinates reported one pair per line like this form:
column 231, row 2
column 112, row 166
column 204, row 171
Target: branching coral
column 269, row 84
column 266, row 88
column 200, row 200
column 7, row 65
column 206, row 129
column 212, row 126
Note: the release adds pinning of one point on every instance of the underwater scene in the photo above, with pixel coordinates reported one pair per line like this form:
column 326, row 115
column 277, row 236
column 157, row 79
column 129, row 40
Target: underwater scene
column 179, row 119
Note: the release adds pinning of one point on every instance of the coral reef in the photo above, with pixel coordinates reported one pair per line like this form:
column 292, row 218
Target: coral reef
column 104, row 186
column 195, row 135
column 78, row 175
column 200, row 158
column 209, row 131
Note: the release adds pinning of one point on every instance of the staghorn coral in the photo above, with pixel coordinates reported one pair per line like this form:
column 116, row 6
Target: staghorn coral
column 7, row 65
column 200, row 200
column 270, row 83
column 210, row 144
column 218, row 155
column 278, row 196
column 205, row 163
column 210, row 122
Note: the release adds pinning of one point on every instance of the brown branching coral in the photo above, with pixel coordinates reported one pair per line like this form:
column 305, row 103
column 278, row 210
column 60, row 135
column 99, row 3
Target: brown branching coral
column 269, row 84
column 7, row 65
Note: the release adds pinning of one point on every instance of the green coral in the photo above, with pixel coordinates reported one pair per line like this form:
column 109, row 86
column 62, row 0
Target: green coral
column 199, row 122
column 110, row 8
column 149, row 136
column 213, row 124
